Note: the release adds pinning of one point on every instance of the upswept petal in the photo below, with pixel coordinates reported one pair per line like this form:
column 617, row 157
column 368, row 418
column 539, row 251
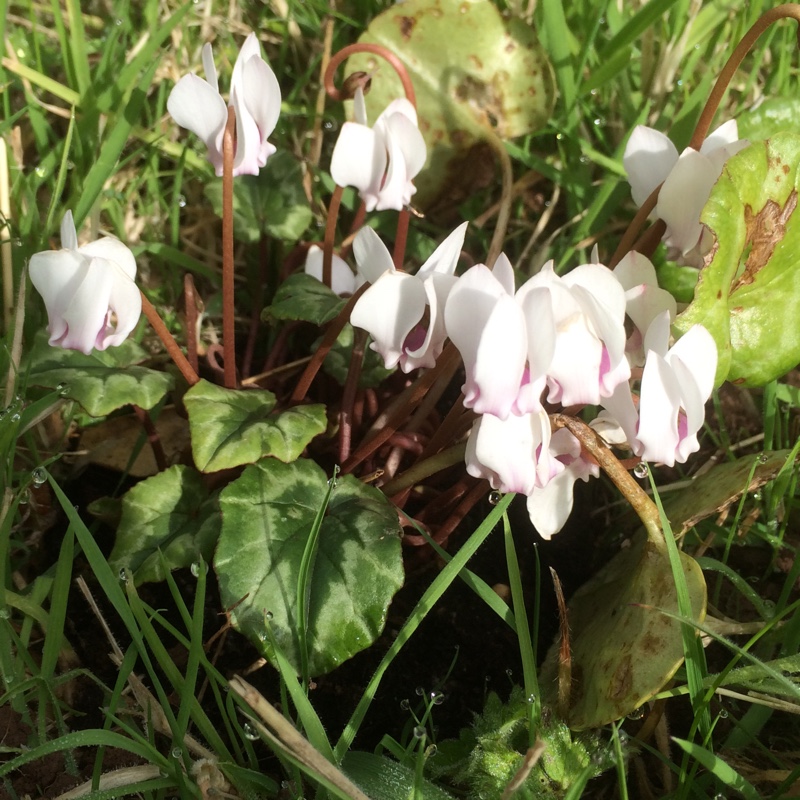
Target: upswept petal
column 437, row 288
column 261, row 94
column 644, row 300
column 125, row 300
column 549, row 506
column 359, row 159
column 388, row 311
column 209, row 67
column 697, row 350
column 682, row 198
column 649, row 157
column 402, row 129
column 504, row 272
column 342, row 278
column 87, row 312
column 247, row 159
column 401, row 106
column 505, row 451
column 537, row 309
column 197, row 106
column 659, row 405
column 444, row 258
column 69, row 236
column 57, row 275
column 725, row 134
column 397, row 188
column 488, row 328
column 113, row 250
column 371, row 254
column 251, row 48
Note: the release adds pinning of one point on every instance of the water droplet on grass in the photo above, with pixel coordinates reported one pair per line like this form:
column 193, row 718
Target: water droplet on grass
column 495, row 498
column 419, row 732
column 250, row 732
column 39, row 476
column 641, row 470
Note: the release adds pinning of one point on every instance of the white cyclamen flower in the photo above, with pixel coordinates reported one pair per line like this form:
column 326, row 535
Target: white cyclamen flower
column 343, row 280
column 382, row 161
column 91, row 298
column 676, row 383
column 197, row 105
column 651, row 159
column 404, row 313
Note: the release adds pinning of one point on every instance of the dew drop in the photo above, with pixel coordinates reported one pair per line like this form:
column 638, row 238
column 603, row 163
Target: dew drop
column 763, row 458
column 177, row 752
column 39, row 476
column 63, row 388
column 268, row 615
column 637, row 713
column 641, row 470
column 123, row 574
column 419, row 732
column 197, row 568
column 118, row 23
column 757, row 496
column 430, row 750
column 723, row 713
column 769, row 608
column 509, row 673
column 181, row 201
column 24, row 498
column 437, row 698
column 5, row 613
column 250, row 732
column 404, row 704
column 332, row 481
column 15, row 417
column 419, row 691
column 623, row 738
column 40, row 172
column 495, row 498
column 531, row 699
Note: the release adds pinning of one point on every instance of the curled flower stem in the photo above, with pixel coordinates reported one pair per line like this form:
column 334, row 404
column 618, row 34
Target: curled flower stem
column 633, row 493
column 786, row 11
column 176, row 354
column 331, row 334
column 330, row 235
column 228, row 309
column 375, row 49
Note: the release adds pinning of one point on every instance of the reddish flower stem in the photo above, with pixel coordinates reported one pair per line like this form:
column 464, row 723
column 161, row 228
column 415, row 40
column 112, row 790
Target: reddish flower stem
column 330, row 235
column 228, row 308
column 786, row 11
column 376, row 49
column 400, row 238
column 190, row 297
column 153, row 437
column 349, row 394
column 175, row 352
column 334, row 329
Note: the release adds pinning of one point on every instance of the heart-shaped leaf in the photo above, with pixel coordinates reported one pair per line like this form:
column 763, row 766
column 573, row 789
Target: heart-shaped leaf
column 173, row 513
column 623, row 648
column 268, row 515
column 303, row 298
column 748, row 296
column 101, row 382
column 472, row 70
column 231, row 427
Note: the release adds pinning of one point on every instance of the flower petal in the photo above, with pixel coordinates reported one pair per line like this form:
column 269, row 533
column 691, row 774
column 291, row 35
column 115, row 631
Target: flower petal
column 444, row 258
column 261, row 94
column 649, row 157
column 197, row 106
column 69, row 236
column 359, row 160
column 111, row 249
column 372, row 256
column 342, row 278
column 437, row 288
column 86, row 314
column 389, row 310
column 210, row 68
column 659, row 405
column 125, row 300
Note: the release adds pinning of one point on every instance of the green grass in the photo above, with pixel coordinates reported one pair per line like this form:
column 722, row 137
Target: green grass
column 85, row 127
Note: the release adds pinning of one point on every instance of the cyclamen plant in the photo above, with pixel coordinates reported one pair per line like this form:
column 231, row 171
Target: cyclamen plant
column 533, row 355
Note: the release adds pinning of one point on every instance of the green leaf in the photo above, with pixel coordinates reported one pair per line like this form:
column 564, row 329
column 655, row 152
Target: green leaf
column 173, row 513
column 623, row 648
column 337, row 362
column 267, row 517
column 102, row 381
column 231, row 427
column 301, row 297
column 749, row 293
column 272, row 203
column 774, row 115
column 382, row 777
column 719, row 769
column 472, row 70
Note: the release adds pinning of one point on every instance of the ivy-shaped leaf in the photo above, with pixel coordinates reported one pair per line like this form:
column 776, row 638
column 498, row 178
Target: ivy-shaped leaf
column 272, row 203
column 748, row 296
column 101, row 382
column 173, row 513
column 268, row 514
column 231, row 427
column 303, row 298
